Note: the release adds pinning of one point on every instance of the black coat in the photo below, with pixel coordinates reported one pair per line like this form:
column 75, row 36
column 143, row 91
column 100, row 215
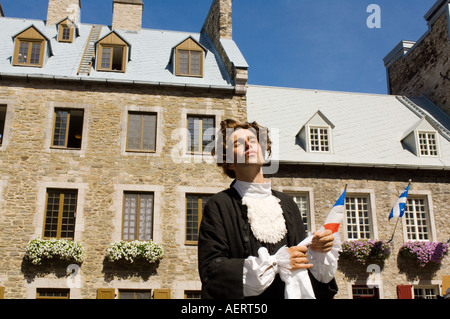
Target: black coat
column 226, row 240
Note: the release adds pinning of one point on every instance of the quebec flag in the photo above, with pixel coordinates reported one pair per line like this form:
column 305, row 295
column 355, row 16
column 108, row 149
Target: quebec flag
column 336, row 215
column 399, row 208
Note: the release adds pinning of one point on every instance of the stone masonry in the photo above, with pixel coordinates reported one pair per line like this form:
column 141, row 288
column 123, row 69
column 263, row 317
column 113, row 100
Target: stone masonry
column 100, row 171
column 127, row 14
column 425, row 70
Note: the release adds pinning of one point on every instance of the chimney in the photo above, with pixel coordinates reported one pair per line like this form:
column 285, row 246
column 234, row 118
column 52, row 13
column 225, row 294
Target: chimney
column 218, row 23
column 127, row 14
column 219, row 27
column 60, row 9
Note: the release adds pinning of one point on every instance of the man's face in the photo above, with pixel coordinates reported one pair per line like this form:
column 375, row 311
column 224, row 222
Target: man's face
column 246, row 149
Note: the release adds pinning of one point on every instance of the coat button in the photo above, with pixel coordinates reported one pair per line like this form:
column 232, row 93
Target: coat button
column 245, row 227
column 246, row 239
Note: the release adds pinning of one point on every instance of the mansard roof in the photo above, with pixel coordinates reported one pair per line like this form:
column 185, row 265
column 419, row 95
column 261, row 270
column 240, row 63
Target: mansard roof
column 149, row 63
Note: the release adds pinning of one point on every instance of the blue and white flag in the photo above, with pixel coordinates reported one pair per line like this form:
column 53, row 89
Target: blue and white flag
column 399, row 208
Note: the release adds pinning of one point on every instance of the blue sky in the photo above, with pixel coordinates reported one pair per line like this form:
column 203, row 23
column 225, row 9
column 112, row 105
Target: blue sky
column 320, row 44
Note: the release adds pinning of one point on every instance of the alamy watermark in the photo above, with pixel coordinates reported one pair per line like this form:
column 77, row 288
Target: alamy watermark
column 374, row 19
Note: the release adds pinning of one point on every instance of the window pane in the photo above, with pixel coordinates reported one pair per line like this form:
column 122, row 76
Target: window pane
column 51, row 216
column 106, row 58
column 149, row 132
column 194, row 208
column 183, row 61
column 358, row 221
column 146, row 217
column 60, row 129
column 23, row 52
column 303, row 206
column 129, row 217
column 65, row 33
column 134, row 131
column 196, row 58
column 35, row 53
column 416, row 219
column 60, row 214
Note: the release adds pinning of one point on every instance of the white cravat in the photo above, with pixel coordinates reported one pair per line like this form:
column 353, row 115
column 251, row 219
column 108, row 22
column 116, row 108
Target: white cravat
column 263, row 210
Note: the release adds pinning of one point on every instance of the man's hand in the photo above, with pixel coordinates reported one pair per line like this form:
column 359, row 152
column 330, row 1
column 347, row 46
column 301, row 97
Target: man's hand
column 322, row 242
column 298, row 257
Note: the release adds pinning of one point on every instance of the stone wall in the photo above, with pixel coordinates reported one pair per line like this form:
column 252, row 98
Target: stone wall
column 425, row 70
column 127, row 14
column 101, row 171
column 383, row 186
column 60, row 9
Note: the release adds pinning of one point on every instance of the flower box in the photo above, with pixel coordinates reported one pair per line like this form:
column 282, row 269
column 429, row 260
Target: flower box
column 131, row 251
column 424, row 253
column 39, row 250
column 365, row 251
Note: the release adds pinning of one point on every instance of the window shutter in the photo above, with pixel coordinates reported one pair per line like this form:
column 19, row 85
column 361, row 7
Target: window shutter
column 161, row 294
column 2, row 292
column 404, row 292
column 106, row 293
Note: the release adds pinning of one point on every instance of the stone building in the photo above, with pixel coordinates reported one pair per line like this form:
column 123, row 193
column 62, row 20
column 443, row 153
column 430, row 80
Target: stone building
column 102, row 118
column 422, row 67
column 105, row 137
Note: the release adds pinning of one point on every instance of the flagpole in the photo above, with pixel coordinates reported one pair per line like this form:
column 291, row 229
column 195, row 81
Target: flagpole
column 395, row 227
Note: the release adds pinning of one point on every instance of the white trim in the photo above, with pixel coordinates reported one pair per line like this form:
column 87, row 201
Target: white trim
column 370, row 193
column 309, row 191
column 159, row 129
column 427, row 195
column 38, row 220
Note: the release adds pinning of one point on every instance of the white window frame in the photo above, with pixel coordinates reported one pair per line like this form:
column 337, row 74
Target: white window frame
column 319, row 127
column 426, row 195
column 308, row 191
column 370, row 194
column 419, row 148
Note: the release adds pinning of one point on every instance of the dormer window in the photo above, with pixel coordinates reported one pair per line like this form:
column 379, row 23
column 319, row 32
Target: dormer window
column 428, row 144
column 66, row 31
column 316, row 135
column 422, row 139
column 318, row 139
column 189, row 56
column 29, row 48
column 112, row 53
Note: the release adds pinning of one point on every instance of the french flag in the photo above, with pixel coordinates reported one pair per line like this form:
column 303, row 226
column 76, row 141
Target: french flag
column 399, row 208
column 336, row 215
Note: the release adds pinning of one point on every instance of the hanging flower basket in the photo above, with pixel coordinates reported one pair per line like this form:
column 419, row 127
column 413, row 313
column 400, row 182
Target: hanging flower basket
column 424, row 253
column 131, row 251
column 39, row 250
column 365, row 251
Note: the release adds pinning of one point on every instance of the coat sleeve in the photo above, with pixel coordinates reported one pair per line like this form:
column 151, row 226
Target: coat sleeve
column 297, row 233
column 220, row 273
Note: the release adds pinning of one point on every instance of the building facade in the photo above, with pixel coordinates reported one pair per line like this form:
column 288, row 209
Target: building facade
column 106, row 134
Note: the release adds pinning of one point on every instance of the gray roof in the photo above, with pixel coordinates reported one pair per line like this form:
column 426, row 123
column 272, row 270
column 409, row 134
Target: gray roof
column 367, row 129
column 150, row 60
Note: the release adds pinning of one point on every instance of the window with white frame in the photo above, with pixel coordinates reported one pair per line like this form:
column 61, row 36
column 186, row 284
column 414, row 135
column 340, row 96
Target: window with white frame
column 426, row 292
column 358, row 217
column 428, row 144
column 416, row 219
column 319, row 139
column 302, row 202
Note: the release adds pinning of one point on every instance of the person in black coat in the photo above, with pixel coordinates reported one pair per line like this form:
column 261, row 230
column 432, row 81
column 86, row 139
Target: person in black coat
column 249, row 215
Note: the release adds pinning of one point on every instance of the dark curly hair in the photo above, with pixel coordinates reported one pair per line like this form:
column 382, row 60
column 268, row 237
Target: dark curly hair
column 227, row 127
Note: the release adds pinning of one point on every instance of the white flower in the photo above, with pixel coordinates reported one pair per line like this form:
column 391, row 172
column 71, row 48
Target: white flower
column 39, row 249
column 133, row 250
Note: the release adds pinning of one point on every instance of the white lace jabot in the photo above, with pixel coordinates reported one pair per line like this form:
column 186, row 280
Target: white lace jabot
column 264, row 211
